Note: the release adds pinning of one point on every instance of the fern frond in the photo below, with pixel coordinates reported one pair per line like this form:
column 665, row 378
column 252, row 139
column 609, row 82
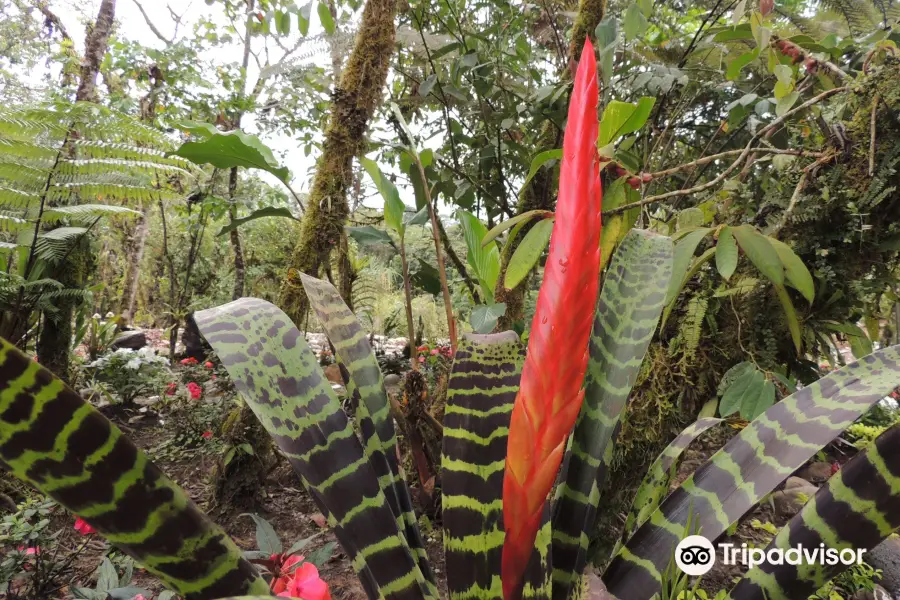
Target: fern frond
column 692, row 324
column 80, row 212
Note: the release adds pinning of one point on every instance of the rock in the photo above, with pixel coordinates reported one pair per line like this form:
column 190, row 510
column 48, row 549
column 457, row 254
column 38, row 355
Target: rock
column 877, row 593
column 333, row 374
column 392, row 380
column 886, row 556
column 146, row 401
column 816, row 472
column 133, row 340
column 795, row 482
column 789, row 501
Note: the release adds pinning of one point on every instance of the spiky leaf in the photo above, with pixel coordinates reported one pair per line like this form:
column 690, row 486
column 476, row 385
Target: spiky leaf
column 855, row 510
column 752, row 463
column 276, row 373
column 627, row 313
column 60, row 444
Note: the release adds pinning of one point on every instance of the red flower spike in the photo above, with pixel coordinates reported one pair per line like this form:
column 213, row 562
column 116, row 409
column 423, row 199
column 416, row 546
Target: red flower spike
column 550, row 393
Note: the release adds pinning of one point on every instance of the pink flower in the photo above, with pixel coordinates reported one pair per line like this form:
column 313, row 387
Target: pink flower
column 306, row 584
column 421, row 359
column 189, row 361
column 171, row 388
column 208, row 365
column 139, row 597
column 31, row 550
column 207, row 434
column 284, row 570
column 35, row 358
column 213, row 377
column 435, row 351
column 195, row 390
column 82, row 527
column 835, row 467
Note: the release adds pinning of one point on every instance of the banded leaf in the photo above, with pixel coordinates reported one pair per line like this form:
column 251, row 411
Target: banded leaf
column 365, row 384
column 480, row 396
column 855, row 510
column 60, row 444
column 627, row 314
column 276, row 373
column 655, row 485
column 750, row 465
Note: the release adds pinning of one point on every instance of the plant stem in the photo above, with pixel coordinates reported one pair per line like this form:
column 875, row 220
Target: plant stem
column 410, row 326
column 435, row 232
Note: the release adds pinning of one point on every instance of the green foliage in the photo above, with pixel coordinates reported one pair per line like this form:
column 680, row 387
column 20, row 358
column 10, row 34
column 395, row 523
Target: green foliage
column 131, row 373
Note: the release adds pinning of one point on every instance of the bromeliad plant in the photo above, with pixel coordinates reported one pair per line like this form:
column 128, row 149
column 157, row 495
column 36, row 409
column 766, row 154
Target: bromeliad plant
column 507, row 422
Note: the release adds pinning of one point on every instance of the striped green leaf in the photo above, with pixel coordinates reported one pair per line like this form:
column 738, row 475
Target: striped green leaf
column 60, row 444
column 750, row 466
column 855, row 510
column 657, row 480
column 276, row 373
column 480, row 397
column 628, row 312
column 365, row 384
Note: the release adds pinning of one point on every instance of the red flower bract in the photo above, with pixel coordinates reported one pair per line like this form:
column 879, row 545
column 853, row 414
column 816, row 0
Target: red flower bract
column 550, row 393
column 82, row 527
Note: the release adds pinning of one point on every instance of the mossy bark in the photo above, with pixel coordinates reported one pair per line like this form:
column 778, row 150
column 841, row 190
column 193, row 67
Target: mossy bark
column 540, row 193
column 355, row 100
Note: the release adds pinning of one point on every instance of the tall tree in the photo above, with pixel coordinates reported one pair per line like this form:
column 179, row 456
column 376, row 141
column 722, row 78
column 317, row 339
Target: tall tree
column 56, row 333
column 355, row 99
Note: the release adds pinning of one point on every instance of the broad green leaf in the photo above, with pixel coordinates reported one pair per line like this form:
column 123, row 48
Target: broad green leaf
column 266, row 539
column 616, row 227
column 635, row 23
column 737, row 64
column 398, row 114
column 791, row 315
column 689, row 217
column 320, row 556
column 301, row 544
column 523, row 218
column 418, row 218
column 476, row 426
column 269, row 211
column 50, row 438
column 107, row 576
column 857, row 508
column 786, row 103
column 797, row 274
column 527, row 253
column 367, row 235
column 738, row 13
column 282, row 384
column 628, row 311
column 373, row 415
column 760, row 252
column 733, row 374
column 485, row 316
column 606, row 35
column 726, row 253
column 303, row 13
column 750, row 465
column 426, row 86
column 622, row 118
column 227, row 149
column 743, row 394
column 758, row 400
column 325, row 17
column 684, row 252
column 860, row 345
column 426, row 277
column 393, row 205
column 730, row 34
column 484, row 260
column 538, row 161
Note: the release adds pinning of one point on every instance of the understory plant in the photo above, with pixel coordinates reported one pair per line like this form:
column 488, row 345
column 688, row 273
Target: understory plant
column 514, row 425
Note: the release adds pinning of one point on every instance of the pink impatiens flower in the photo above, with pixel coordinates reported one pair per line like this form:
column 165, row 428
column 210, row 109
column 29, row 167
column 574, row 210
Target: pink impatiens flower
column 82, row 527
column 189, row 361
column 208, row 365
column 195, row 390
column 306, row 584
column 285, row 568
column 171, row 388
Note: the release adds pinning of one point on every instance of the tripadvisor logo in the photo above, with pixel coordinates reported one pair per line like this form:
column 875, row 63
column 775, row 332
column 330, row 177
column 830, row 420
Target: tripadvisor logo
column 695, row 555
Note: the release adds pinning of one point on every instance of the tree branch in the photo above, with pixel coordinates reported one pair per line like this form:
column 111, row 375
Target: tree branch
column 52, row 18
column 152, row 27
column 740, row 159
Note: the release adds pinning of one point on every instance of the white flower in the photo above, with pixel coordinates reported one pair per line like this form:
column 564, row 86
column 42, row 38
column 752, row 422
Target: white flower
column 110, row 315
column 96, row 316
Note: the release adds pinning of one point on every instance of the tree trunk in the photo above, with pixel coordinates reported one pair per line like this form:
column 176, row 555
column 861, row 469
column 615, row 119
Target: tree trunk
column 239, row 271
column 94, row 50
column 135, row 254
column 56, row 335
column 355, row 100
column 538, row 194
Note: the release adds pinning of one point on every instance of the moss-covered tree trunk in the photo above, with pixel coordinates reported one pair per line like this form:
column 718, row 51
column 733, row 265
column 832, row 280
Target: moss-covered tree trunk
column 56, row 333
column 355, row 99
column 540, row 193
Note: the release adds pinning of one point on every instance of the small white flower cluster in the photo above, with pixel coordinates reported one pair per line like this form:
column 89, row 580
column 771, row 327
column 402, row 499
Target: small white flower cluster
column 135, row 358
